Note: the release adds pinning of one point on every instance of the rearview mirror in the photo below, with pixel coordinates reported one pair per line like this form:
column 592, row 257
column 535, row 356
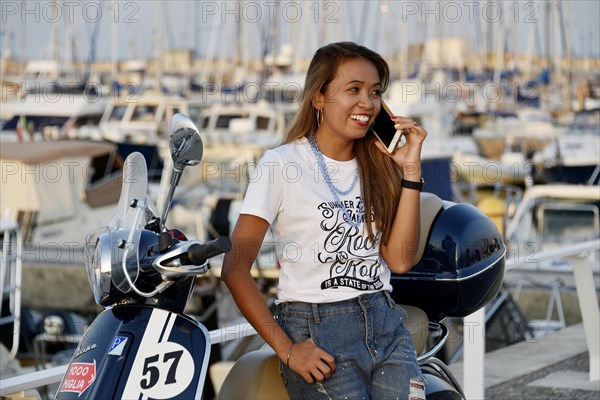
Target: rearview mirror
column 186, row 150
column 184, row 142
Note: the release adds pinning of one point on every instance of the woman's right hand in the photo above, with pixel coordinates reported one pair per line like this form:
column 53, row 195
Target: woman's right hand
column 311, row 362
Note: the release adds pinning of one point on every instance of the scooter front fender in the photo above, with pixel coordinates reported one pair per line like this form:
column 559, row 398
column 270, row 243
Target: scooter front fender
column 135, row 352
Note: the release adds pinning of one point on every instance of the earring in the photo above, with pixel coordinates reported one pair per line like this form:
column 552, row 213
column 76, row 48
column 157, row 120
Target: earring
column 320, row 113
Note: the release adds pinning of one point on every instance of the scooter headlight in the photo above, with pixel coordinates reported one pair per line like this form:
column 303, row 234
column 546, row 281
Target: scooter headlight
column 98, row 264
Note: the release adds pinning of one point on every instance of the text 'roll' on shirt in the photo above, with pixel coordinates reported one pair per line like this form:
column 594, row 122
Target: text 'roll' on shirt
column 323, row 258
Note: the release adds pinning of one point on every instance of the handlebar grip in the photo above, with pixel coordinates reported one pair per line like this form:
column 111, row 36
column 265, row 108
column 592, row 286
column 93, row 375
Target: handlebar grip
column 199, row 253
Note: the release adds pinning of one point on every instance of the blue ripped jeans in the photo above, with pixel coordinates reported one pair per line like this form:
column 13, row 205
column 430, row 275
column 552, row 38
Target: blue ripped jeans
column 374, row 353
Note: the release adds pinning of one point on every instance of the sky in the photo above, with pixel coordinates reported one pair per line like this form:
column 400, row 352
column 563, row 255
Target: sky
column 218, row 29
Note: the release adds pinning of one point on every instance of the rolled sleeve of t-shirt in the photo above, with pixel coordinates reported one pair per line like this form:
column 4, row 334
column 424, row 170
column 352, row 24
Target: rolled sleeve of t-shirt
column 265, row 190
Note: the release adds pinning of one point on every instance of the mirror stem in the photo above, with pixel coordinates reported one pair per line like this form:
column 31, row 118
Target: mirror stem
column 175, row 177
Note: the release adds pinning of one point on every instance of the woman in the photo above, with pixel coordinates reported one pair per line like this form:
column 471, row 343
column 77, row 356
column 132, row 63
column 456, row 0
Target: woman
column 337, row 332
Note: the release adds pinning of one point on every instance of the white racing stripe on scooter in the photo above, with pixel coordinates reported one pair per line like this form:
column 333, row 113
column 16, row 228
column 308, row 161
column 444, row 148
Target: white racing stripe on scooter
column 159, row 327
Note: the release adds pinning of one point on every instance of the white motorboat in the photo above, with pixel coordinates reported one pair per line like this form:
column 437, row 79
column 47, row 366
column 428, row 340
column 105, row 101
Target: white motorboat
column 475, row 169
column 575, row 156
column 58, row 191
column 259, row 124
column 142, row 119
column 48, row 115
column 529, row 128
column 57, row 188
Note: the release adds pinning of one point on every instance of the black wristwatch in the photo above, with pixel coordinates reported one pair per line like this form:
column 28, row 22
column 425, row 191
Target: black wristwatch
column 413, row 185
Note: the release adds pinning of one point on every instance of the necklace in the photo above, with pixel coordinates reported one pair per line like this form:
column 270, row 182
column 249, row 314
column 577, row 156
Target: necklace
column 335, row 192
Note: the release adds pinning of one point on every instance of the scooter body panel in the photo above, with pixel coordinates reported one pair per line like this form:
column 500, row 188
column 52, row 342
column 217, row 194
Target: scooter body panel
column 437, row 388
column 138, row 352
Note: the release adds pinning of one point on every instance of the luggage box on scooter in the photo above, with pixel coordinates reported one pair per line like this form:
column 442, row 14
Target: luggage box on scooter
column 462, row 262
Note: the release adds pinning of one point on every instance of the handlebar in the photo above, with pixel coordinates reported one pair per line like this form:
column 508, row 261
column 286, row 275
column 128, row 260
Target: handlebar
column 199, row 253
column 189, row 258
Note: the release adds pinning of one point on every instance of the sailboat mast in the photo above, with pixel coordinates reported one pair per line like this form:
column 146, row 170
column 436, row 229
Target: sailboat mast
column 6, row 46
column 237, row 41
column 499, row 52
column 530, row 49
column 322, row 25
column 548, row 35
column 54, row 46
column 566, row 53
column 114, row 50
column 158, row 44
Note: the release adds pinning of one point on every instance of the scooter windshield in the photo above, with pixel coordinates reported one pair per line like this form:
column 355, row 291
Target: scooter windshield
column 126, row 227
column 134, row 188
column 114, row 248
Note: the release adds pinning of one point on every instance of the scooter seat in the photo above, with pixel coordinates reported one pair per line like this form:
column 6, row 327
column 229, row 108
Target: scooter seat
column 430, row 208
column 417, row 324
column 254, row 376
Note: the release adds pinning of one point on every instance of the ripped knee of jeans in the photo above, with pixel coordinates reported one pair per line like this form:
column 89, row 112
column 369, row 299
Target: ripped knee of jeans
column 321, row 389
column 416, row 389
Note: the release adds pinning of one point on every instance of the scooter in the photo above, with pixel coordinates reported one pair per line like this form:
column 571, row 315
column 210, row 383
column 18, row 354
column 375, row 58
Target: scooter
column 144, row 346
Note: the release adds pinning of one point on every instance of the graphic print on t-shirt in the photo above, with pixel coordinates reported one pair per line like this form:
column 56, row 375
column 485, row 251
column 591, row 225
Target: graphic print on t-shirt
column 347, row 248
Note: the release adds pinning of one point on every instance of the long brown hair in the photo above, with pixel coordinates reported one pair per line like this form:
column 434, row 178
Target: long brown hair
column 380, row 176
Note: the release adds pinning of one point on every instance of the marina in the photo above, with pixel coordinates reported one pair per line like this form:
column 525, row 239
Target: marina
column 512, row 113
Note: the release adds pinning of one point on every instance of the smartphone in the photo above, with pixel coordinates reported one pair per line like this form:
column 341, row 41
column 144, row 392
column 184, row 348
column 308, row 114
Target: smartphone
column 384, row 129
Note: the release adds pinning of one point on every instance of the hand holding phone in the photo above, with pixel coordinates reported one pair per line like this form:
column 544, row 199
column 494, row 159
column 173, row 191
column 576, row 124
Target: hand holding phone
column 384, row 129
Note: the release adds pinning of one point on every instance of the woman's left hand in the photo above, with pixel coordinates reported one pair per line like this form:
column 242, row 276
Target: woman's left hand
column 408, row 156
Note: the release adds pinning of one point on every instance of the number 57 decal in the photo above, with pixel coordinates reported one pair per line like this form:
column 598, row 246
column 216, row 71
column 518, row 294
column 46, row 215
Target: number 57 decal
column 153, row 372
column 167, row 370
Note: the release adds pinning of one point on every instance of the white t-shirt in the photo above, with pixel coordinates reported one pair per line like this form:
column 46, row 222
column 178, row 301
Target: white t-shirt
column 322, row 257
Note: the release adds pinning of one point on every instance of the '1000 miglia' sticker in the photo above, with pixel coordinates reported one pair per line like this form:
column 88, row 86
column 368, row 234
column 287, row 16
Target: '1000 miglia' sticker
column 80, row 376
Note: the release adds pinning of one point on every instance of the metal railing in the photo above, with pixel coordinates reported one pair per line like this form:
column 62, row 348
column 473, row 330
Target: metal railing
column 53, row 375
column 10, row 279
column 581, row 255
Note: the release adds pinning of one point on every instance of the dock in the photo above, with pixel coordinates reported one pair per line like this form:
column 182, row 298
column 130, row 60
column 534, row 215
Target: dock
column 555, row 366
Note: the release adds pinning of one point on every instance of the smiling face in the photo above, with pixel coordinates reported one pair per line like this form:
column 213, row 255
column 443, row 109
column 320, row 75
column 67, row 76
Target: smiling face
column 350, row 102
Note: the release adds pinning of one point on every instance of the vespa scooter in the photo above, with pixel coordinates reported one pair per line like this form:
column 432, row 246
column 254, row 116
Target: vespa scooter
column 143, row 345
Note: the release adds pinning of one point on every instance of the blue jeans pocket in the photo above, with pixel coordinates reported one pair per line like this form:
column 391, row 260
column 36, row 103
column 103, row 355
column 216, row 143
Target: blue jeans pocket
column 298, row 329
